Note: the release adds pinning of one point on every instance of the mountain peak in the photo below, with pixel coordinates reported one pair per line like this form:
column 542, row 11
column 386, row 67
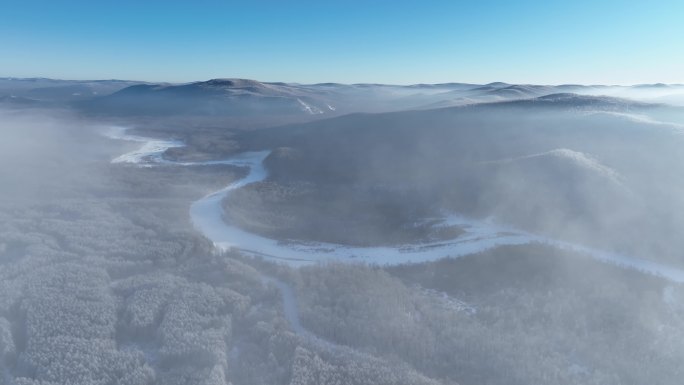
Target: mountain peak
column 231, row 83
column 497, row 84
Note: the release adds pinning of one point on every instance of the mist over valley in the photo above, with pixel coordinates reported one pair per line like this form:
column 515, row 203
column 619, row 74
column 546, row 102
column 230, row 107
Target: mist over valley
column 246, row 232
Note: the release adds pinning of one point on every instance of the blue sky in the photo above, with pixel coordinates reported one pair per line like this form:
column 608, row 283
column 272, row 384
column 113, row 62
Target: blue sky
column 544, row 42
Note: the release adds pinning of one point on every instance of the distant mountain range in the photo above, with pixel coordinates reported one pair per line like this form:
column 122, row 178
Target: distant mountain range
column 43, row 89
column 217, row 97
column 245, row 98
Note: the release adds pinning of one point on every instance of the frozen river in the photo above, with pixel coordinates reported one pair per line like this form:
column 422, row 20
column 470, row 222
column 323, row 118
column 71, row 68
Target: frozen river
column 208, row 217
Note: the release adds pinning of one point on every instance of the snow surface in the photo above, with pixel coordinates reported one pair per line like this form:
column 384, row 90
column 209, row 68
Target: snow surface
column 151, row 150
column 312, row 110
column 291, row 312
column 640, row 118
column 580, row 159
column 479, row 235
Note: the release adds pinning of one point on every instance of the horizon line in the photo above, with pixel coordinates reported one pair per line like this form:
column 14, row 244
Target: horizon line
column 339, row 83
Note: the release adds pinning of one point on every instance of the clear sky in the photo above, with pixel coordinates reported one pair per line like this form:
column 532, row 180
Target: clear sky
column 349, row 41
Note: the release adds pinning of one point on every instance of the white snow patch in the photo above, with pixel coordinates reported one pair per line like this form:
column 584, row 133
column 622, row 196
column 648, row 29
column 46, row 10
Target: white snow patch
column 313, row 110
column 448, row 302
column 639, row 118
column 581, row 159
column 150, row 152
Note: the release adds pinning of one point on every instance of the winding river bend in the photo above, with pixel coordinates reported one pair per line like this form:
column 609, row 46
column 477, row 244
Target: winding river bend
column 208, row 217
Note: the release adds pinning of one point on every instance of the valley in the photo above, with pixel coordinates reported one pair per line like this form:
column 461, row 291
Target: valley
column 520, row 241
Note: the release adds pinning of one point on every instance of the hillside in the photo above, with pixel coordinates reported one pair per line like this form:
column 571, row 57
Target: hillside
column 528, row 163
